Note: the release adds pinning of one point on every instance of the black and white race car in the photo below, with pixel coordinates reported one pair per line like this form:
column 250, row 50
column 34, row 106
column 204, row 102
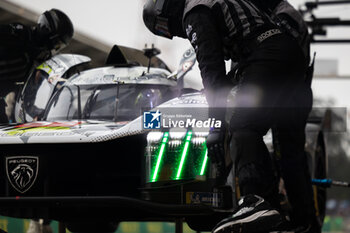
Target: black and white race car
column 107, row 150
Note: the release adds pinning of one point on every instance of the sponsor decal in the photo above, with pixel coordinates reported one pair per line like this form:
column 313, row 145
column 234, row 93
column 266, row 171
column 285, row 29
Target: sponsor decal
column 22, row 171
column 189, row 30
column 203, row 198
column 38, row 127
column 268, row 34
column 187, row 65
column 189, row 102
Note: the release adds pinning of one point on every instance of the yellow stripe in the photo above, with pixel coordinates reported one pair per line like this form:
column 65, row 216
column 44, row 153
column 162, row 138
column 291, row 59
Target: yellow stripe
column 317, row 209
column 44, row 67
column 238, row 191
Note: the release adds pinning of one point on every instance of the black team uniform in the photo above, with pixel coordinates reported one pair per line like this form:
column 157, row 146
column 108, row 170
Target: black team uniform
column 273, row 92
column 22, row 48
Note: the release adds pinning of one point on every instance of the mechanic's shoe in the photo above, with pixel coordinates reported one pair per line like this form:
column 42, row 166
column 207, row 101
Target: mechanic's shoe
column 34, row 227
column 254, row 214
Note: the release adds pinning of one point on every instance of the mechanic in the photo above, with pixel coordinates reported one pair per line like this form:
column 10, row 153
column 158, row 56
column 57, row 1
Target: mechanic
column 289, row 144
column 22, row 48
column 271, row 73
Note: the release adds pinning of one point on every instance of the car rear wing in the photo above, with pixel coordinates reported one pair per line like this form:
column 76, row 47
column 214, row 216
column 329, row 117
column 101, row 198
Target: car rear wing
column 121, row 55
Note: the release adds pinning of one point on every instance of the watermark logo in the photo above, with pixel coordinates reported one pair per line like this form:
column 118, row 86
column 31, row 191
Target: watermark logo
column 178, row 119
column 152, row 120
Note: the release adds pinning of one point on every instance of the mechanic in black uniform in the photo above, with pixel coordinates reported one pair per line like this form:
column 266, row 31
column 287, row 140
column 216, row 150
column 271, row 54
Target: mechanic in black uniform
column 271, row 75
column 290, row 140
column 23, row 47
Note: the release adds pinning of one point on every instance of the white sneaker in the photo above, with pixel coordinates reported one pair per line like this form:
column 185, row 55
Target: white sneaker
column 253, row 214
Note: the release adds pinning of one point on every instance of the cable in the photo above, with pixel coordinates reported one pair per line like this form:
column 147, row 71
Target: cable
column 327, row 183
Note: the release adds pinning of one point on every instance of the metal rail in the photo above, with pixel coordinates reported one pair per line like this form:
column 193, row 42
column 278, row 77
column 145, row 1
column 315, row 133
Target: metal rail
column 312, row 5
column 328, row 22
column 340, row 41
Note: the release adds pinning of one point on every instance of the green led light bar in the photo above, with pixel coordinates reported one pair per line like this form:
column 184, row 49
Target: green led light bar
column 184, row 154
column 160, row 155
column 204, row 164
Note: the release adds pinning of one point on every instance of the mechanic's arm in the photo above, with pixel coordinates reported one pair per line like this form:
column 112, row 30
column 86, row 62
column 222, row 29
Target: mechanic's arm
column 14, row 35
column 19, row 38
column 201, row 30
column 205, row 38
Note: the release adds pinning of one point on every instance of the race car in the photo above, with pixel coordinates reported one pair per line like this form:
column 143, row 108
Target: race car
column 50, row 75
column 108, row 150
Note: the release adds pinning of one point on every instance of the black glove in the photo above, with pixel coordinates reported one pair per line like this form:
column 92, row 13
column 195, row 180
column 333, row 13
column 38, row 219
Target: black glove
column 216, row 144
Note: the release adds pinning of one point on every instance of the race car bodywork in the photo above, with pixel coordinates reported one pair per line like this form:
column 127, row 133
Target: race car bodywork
column 43, row 82
column 98, row 156
column 86, row 169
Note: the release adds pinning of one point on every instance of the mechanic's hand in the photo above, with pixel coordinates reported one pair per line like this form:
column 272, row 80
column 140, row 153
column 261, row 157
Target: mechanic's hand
column 235, row 74
column 216, row 144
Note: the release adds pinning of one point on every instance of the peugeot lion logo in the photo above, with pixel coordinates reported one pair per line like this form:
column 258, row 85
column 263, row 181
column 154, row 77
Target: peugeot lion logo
column 22, row 172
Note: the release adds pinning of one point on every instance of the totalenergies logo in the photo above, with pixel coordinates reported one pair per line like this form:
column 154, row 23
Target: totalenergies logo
column 40, row 126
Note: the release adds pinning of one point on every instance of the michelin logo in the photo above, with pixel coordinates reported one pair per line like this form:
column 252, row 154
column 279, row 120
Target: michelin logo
column 152, row 120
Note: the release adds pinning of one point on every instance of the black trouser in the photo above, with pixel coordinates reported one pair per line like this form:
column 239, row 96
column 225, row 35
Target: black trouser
column 272, row 93
column 290, row 137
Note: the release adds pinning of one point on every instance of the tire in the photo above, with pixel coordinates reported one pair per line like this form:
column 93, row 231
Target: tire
column 320, row 172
